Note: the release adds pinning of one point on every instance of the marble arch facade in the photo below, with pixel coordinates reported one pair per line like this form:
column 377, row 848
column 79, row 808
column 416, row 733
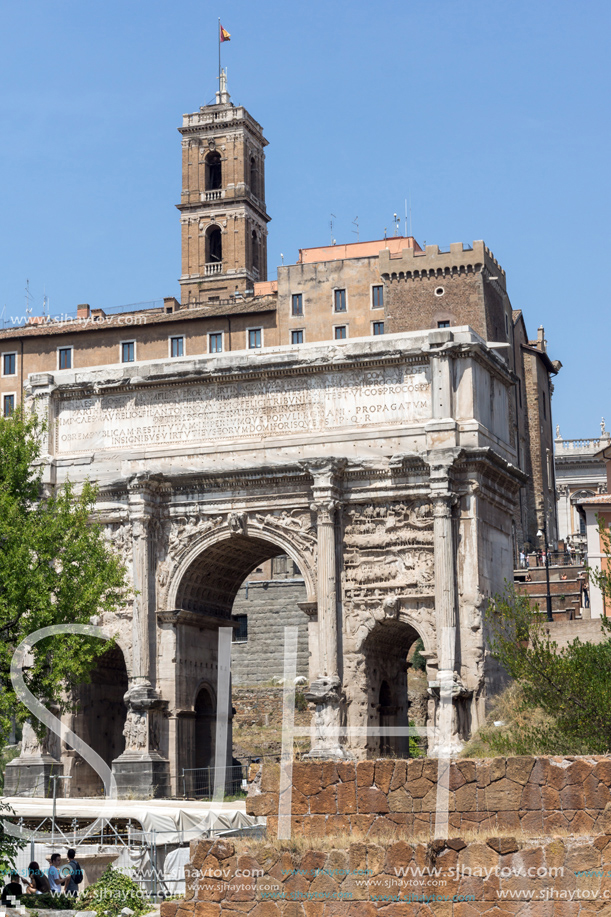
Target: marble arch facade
column 383, row 467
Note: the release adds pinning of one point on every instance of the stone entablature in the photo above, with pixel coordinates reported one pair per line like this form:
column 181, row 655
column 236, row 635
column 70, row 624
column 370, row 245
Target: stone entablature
column 383, row 468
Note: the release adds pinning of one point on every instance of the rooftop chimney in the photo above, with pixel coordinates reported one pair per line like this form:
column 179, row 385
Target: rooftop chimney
column 83, row 310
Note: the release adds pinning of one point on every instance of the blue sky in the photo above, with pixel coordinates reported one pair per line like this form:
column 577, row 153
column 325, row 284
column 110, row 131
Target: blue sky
column 494, row 117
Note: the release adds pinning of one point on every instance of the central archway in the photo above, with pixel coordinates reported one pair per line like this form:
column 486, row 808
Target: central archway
column 252, row 581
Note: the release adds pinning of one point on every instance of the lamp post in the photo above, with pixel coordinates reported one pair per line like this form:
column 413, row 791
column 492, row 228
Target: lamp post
column 543, row 534
column 55, row 778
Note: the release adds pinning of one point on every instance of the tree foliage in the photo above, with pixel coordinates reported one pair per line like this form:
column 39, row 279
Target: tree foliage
column 9, row 845
column 570, row 686
column 56, row 567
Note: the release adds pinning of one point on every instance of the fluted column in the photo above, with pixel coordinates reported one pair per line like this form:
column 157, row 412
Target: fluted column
column 445, row 580
column 140, row 621
column 327, row 587
column 325, row 692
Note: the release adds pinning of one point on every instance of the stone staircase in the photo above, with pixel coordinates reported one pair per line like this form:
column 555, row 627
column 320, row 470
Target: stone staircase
column 565, row 593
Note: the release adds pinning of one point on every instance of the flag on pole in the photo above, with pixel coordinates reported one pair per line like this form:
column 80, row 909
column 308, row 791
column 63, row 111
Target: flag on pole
column 225, row 36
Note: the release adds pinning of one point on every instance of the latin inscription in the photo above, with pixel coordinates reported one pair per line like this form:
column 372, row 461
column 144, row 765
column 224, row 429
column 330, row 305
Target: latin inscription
column 257, row 409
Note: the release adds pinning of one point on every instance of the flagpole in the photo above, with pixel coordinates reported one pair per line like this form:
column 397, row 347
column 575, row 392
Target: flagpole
column 219, row 38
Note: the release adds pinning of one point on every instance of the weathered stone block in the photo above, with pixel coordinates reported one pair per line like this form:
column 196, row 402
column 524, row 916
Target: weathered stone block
column 399, row 776
column 370, row 799
column 365, row 771
column 503, row 795
column 383, row 774
column 307, row 777
column 325, row 802
column 400, row 801
column 346, row 798
column 519, row 768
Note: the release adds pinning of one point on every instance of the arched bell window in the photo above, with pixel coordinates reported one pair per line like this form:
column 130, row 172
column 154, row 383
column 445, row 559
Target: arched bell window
column 214, row 245
column 254, row 182
column 214, row 178
column 255, row 250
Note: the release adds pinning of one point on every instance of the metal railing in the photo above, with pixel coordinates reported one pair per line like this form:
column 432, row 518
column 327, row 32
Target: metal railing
column 198, row 782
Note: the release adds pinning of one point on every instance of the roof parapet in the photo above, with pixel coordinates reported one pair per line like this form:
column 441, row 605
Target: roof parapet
column 432, row 262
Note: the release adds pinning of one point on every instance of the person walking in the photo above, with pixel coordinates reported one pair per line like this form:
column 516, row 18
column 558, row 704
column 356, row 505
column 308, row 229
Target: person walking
column 73, row 874
column 522, row 560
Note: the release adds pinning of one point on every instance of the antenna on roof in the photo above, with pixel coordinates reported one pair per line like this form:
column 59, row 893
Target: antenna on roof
column 28, row 307
column 333, row 217
column 355, row 222
column 396, row 222
column 45, row 302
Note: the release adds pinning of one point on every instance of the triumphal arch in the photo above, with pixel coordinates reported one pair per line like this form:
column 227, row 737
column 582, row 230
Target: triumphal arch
column 383, row 467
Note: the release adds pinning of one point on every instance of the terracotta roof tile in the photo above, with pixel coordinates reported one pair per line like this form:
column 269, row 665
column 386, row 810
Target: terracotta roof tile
column 153, row 317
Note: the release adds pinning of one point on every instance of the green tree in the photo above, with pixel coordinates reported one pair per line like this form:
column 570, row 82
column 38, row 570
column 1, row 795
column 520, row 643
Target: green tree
column 56, row 567
column 570, row 686
column 9, row 845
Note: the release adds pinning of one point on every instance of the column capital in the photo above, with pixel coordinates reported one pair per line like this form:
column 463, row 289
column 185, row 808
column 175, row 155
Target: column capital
column 324, row 509
column 324, row 471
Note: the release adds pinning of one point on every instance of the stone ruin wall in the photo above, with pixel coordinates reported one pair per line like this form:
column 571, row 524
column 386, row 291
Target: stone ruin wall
column 567, row 877
column 524, row 794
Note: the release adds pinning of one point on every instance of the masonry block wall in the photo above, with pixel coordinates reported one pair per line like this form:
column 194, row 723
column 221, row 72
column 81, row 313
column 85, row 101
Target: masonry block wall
column 462, row 287
column 565, row 877
column 270, row 607
column 532, row 795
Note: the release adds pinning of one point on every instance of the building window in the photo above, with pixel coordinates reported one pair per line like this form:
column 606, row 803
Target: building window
column 297, row 337
column 341, row 332
column 9, row 364
column 215, row 342
column 444, row 324
column 65, row 357
column 128, row 352
column 254, row 338
column 544, row 406
column 177, row 347
column 378, row 327
column 8, row 405
column 240, row 634
column 339, row 300
column 297, row 304
column 377, row 297
column 214, row 176
column 214, row 247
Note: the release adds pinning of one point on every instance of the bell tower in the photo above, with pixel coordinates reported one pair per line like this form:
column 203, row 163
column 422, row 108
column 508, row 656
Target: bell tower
column 222, row 208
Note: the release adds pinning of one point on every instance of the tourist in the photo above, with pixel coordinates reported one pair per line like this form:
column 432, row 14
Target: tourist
column 55, row 880
column 564, row 576
column 73, row 874
column 522, row 560
column 12, row 890
column 38, row 882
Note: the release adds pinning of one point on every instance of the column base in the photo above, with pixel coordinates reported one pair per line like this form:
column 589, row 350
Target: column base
column 141, row 776
column 328, row 753
column 29, row 776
